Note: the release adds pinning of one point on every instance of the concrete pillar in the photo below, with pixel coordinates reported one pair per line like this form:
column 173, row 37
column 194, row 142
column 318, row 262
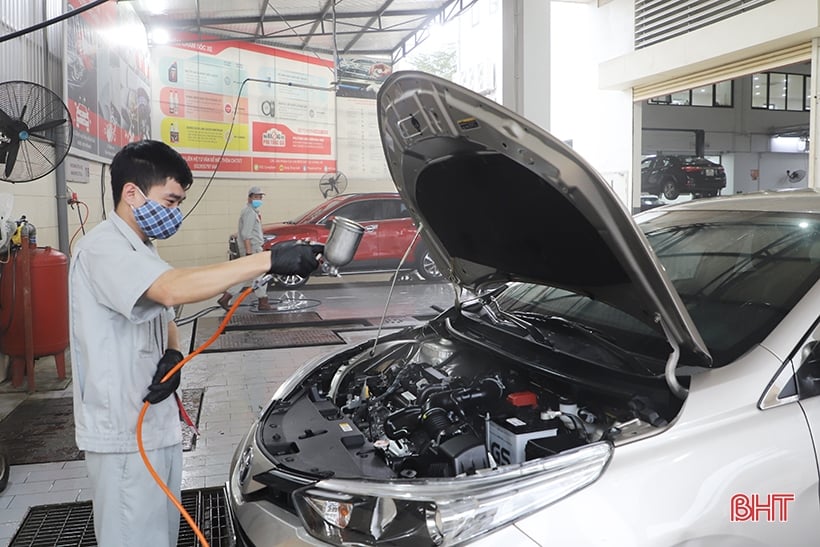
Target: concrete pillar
column 814, row 126
column 525, row 68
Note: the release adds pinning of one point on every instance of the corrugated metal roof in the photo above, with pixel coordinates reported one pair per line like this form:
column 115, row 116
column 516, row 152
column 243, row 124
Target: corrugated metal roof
column 385, row 28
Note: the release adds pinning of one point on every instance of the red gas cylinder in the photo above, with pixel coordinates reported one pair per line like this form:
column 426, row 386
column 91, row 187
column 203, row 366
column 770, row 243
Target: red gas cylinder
column 47, row 283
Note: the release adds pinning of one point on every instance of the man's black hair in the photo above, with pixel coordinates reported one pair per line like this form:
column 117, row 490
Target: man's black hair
column 148, row 163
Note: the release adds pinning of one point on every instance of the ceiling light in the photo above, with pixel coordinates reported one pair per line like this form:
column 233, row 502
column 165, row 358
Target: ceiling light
column 154, row 7
column 160, row 36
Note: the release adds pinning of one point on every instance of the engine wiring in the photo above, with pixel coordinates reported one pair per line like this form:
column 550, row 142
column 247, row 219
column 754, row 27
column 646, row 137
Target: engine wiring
column 145, row 406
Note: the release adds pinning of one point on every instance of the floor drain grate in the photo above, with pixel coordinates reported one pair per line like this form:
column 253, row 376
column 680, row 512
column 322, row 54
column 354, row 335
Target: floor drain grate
column 209, row 509
column 72, row 524
column 241, row 340
column 64, row 524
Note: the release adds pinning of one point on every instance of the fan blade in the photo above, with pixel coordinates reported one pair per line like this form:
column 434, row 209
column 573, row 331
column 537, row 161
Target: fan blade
column 5, row 119
column 11, row 159
column 45, row 126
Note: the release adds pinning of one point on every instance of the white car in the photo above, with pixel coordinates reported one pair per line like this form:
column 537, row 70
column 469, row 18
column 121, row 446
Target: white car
column 606, row 380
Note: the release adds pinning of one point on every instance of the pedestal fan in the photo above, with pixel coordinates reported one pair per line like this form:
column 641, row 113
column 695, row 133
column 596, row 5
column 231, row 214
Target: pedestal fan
column 35, row 131
column 332, row 184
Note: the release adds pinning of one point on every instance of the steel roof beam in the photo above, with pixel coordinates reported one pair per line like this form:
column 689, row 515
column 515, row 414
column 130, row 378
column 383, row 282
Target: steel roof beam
column 307, row 17
column 373, row 19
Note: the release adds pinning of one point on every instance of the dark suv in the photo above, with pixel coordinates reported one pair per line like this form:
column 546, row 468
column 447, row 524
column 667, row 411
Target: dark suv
column 671, row 176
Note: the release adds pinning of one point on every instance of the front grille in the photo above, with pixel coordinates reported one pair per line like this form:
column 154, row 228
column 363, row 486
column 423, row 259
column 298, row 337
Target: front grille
column 72, row 524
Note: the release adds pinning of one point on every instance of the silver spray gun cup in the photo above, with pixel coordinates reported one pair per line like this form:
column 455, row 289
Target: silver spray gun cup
column 342, row 243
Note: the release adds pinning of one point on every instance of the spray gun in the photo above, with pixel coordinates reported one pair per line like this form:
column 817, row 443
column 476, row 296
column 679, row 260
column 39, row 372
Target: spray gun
column 342, row 243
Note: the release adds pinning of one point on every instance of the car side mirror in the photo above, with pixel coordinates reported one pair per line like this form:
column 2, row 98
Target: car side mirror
column 808, row 375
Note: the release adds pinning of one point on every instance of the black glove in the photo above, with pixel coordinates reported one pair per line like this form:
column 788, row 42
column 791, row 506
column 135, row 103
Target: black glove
column 159, row 390
column 294, row 258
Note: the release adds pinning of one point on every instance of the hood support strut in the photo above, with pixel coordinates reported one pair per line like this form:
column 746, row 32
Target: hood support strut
column 672, row 363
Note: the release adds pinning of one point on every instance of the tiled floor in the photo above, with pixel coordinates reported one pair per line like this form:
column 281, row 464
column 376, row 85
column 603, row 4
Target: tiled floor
column 237, row 385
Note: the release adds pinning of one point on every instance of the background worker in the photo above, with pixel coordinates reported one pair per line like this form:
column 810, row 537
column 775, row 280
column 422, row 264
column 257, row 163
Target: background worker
column 249, row 240
column 124, row 340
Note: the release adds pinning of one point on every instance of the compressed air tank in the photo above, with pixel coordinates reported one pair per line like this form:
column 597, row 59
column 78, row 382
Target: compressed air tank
column 47, row 281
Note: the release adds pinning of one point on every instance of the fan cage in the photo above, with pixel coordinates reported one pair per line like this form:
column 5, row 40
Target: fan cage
column 37, row 121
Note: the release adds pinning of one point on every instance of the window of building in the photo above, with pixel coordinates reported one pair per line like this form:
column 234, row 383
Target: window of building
column 703, row 96
column 794, row 92
column 712, row 95
column 681, row 98
column 723, row 93
column 779, row 91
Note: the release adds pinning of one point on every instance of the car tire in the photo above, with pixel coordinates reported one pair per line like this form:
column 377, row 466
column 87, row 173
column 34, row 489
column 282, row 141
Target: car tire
column 426, row 266
column 290, row 281
column 669, row 189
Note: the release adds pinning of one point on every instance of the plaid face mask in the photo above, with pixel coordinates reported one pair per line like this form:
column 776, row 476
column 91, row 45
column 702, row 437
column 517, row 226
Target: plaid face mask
column 156, row 220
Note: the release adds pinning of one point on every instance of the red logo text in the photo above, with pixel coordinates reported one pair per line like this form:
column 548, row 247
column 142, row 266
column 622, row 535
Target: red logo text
column 770, row 508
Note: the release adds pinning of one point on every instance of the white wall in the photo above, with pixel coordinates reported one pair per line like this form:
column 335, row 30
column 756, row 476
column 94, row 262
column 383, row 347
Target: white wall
column 36, row 200
column 598, row 122
column 764, row 29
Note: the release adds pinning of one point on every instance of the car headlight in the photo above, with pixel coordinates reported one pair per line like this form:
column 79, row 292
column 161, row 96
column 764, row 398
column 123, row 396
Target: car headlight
column 443, row 511
column 268, row 237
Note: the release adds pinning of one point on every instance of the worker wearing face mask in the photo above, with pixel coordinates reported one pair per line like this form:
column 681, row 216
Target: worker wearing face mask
column 124, row 341
column 249, row 240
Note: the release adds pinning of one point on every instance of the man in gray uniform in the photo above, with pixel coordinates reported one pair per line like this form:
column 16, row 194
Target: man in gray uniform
column 124, row 341
column 249, row 240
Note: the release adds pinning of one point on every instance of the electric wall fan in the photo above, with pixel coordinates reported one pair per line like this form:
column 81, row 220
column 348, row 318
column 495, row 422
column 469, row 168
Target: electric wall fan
column 796, row 175
column 35, row 131
column 332, row 184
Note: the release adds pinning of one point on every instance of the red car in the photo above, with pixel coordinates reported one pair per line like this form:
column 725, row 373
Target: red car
column 389, row 230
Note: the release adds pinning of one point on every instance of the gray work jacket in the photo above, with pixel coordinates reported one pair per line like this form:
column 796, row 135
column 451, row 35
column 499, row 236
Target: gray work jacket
column 250, row 227
column 117, row 336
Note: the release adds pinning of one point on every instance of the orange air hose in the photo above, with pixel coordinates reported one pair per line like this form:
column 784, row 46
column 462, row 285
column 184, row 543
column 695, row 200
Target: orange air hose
column 145, row 406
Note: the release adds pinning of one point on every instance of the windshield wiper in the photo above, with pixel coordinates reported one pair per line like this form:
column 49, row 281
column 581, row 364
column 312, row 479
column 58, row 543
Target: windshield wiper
column 563, row 321
column 501, row 317
column 579, row 328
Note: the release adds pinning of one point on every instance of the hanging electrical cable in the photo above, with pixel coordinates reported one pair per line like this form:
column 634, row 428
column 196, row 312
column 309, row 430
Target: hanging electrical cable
column 233, row 122
column 49, row 22
column 82, row 221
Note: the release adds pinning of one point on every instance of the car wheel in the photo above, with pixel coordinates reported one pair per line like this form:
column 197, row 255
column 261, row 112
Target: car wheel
column 290, row 281
column 670, row 189
column 427, row 267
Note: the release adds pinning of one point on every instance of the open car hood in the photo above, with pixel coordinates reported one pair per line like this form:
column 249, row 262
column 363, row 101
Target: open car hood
column 500, row 199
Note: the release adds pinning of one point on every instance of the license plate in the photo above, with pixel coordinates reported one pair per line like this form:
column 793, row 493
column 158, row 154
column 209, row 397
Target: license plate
column 710, row 172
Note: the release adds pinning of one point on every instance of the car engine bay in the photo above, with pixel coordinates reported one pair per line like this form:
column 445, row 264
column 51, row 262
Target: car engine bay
column 429, row 405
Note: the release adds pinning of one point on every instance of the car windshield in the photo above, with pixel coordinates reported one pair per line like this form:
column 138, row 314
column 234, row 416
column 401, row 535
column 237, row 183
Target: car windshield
column 738, row 273
column 316, row 213
column 698, row 161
